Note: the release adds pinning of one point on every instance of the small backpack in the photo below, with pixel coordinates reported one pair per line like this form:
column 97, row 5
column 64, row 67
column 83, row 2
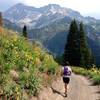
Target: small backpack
column 66, row 72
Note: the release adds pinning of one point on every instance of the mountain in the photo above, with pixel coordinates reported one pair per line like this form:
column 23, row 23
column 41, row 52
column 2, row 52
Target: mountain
column 10, row 25
column 36, row 17
column 39, row 17
column 50, row 25
column 54, row 35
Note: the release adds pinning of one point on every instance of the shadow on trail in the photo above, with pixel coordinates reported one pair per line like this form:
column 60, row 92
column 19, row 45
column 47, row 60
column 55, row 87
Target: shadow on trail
column 55, row 91
column 97, row 99
column 94, row 84
column 97, row 92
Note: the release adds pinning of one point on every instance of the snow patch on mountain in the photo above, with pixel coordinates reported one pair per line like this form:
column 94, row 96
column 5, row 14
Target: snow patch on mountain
column 37, row 17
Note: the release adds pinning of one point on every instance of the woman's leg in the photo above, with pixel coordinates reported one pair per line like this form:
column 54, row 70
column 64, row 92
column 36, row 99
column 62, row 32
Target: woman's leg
column 65, row 88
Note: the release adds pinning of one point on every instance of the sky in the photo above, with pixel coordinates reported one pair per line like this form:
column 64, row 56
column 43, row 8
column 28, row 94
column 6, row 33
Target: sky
column 85, row 7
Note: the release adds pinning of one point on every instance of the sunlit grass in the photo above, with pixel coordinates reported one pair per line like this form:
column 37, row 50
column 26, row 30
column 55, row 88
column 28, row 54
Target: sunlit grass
column 92, row 73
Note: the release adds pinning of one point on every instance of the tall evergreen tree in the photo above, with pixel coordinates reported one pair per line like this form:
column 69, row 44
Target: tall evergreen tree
column 1, row 20
column 25, row 31
column 71, row 48
column 77, row 51
column 85, row 52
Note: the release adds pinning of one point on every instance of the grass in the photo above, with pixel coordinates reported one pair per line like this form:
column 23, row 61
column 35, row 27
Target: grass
column 93, row 74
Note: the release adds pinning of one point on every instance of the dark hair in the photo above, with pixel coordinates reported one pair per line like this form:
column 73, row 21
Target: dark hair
column 67, row 63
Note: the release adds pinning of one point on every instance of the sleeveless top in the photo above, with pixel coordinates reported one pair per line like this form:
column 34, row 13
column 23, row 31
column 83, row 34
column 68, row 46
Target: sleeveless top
column 66, row 70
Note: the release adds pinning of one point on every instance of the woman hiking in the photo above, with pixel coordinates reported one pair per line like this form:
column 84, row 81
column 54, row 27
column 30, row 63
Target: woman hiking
column 66, row 73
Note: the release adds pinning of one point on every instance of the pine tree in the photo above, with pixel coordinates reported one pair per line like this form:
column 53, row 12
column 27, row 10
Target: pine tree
column 1, row 23
column 1, row 20
column 83, row 44
column 85, row 52
column 25, row 31
column 71, row 53
column 77, row 52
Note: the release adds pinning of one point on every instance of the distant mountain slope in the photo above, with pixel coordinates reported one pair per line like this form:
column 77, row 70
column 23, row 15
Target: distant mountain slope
column 57, row 44
column 54, row 37
column 8, row 24
column 49, row 31
column 50, row 25
column 38, row 17
column 49, row 19
column 95, row 47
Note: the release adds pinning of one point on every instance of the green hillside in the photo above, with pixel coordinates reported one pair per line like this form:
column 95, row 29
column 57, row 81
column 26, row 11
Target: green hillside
column 24, row 67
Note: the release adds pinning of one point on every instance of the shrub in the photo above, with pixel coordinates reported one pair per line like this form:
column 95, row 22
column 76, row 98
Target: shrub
column 52, row 69
column 9, row 88
column 96, row 79
column 30, row 82
column 42, row 69
column 12, row 91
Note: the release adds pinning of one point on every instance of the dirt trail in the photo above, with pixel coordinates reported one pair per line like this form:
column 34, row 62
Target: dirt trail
column 79, row 89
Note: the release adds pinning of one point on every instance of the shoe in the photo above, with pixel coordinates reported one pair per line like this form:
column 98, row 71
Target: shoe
column 66, row 95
